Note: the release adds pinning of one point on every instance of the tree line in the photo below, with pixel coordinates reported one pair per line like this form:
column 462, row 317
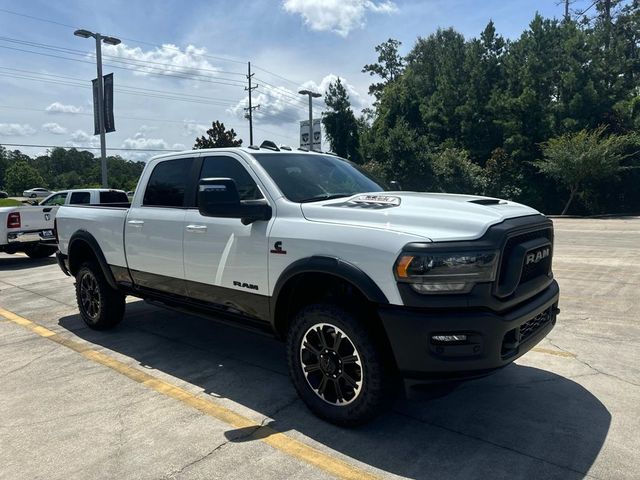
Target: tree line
column 61, row 169
column 551, row 119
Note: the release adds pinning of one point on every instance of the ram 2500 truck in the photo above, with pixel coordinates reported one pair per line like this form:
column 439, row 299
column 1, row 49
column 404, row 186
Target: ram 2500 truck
column 367, row 287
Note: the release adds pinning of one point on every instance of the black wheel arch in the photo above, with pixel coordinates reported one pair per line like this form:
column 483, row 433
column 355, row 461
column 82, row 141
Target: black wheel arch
column 82, row 247
column 323, row 265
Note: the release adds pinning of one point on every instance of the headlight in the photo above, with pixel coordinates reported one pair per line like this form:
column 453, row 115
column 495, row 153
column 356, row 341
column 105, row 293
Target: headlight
column 446, row 272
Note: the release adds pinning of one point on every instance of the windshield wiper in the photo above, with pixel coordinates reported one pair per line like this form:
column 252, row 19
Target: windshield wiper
column 325, row 196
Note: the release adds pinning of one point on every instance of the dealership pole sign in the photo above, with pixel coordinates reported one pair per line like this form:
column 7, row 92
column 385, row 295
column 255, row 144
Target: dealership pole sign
column 107, row 104
column 317, row 134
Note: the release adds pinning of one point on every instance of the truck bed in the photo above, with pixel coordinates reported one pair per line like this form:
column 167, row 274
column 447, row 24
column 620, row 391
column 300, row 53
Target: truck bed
column 104, row 222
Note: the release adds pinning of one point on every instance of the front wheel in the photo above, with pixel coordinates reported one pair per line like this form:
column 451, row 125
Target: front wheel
column 101, row 307
column 337, row 365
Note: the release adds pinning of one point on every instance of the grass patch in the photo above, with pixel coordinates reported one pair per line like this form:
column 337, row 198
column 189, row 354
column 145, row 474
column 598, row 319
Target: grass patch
column 9, row 202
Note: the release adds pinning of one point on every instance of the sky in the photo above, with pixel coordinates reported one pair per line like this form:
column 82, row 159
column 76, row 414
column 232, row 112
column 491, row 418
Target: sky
column 182, row 65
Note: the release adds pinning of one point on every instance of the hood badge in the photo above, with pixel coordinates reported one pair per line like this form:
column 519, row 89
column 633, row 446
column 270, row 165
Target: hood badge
column 387, row 200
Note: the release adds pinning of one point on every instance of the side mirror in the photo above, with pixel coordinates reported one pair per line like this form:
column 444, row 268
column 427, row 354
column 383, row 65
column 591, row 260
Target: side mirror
column 395, row 185
column 218, row 197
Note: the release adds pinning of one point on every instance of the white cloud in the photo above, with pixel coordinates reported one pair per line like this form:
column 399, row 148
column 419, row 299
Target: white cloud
column 358, row 102
column 191, row 128
column 16, row 129
column 280, row 105
column 165, row 60
column 147, row 128
column 54, row 128
column 82, row 139
column 57, row 107
column 339, row 16
column 277, row 106
column 140, row 142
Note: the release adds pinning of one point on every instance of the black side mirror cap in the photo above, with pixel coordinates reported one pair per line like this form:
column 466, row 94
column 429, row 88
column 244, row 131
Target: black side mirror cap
column 219, row 197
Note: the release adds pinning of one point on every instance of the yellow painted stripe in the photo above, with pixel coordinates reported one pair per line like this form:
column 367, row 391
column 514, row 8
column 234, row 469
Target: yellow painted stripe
column 558, row 353
column 268, row 435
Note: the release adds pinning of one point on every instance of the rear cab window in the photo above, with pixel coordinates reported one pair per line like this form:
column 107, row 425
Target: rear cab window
column 167, row 183
column 113, row 197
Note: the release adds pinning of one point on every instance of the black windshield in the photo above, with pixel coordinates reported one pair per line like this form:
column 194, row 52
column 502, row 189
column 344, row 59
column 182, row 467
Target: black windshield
column 311, row 177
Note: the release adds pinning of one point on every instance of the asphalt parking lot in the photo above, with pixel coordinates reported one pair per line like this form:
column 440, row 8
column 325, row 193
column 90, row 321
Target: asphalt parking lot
column 166, row 395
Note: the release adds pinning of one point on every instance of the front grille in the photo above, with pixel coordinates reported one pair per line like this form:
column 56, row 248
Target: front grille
column 532, row 326
column 511, row 259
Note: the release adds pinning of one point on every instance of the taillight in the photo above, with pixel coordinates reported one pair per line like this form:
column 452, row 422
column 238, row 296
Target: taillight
column 13, row 220
column 55, row 229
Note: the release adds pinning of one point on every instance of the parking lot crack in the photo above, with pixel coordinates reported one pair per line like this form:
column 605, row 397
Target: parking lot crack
column 30, row 362
column 596, row 370
column 196, row 461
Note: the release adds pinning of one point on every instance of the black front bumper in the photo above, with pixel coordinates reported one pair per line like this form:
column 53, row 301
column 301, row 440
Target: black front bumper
column 493, row 339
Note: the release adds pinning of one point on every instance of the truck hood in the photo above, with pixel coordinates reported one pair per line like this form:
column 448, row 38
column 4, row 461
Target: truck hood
column 433, row 216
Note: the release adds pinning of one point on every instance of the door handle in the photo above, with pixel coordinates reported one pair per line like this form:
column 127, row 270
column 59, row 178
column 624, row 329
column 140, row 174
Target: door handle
column 135, row 223
column 197, row 228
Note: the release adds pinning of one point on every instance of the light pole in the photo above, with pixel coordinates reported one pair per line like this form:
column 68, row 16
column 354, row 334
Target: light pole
column 311, row 96
column 100, row 103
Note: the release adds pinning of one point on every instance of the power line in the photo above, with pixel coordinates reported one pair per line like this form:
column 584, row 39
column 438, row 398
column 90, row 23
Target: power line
column 133, row 61
column 159, row 120
column 90, row 148
column 169, row 47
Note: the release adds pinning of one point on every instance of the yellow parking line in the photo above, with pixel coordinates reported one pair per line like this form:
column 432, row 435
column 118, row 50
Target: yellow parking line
column 268, row 435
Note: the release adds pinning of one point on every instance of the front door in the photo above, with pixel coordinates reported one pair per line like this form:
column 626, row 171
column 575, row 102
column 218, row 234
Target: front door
column 225, row 261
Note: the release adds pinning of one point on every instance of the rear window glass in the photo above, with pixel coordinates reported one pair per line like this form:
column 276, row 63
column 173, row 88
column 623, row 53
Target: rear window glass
column 79, row 198
column 113, row 197
column 168, row 183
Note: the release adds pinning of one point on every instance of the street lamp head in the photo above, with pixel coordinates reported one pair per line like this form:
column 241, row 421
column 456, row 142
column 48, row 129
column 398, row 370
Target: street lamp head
column 309, row 92
column 83, row 33
column 111, row 40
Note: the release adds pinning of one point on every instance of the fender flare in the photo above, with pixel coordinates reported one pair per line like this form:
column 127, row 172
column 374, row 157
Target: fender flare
column 86, row 237
column 332, row 266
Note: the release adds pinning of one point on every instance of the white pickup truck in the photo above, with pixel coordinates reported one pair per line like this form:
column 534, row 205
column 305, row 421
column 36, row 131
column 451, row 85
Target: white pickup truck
column 29, row 229
column 367, row 287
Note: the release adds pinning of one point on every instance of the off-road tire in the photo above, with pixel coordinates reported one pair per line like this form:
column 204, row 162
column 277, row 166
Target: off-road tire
column 378, row 387
column 101, row 307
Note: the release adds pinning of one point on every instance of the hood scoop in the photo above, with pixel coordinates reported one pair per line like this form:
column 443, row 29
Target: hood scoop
column 488, row 201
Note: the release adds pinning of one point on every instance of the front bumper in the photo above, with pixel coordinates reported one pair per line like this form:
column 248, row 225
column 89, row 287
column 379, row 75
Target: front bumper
column 33, row 236
column 494, row 340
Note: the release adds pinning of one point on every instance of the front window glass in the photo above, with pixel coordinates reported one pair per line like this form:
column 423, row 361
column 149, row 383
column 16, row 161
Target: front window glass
column 310, row 177
column 227, row 167
column 57, row 199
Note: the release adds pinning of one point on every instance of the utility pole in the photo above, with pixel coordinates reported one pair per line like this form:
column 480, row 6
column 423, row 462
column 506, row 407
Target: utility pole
column 251, row 108
column 100, row 103
column 312, row 95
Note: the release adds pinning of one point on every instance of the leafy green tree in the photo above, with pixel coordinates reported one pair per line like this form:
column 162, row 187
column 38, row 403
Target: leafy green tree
column 218, row 137
column 389, row 66
column 576, row 159
column 340, row 124
column 455, row 172
column 502, row 175
column 22, row 176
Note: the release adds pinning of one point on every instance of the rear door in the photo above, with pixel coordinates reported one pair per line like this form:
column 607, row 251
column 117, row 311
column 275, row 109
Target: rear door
column 226, row 261
column 155, row 225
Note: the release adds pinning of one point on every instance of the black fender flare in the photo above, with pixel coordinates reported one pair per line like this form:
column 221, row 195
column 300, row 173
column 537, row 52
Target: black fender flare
column 332, row 266
column 86, row 237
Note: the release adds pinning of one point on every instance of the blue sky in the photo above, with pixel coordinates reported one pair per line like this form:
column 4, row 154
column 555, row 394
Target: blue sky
column 182, row 63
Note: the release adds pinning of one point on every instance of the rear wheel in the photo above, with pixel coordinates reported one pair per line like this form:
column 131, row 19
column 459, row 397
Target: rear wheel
column 337, row 366
column 101, row 306
column 40, row 251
